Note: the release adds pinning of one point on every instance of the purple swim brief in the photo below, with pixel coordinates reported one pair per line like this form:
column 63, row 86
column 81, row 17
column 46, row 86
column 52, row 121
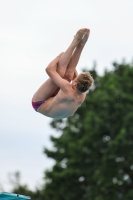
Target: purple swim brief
column 37, row 104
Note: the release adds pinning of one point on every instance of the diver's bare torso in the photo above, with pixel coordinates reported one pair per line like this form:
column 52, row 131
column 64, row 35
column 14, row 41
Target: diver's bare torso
column 63, row 105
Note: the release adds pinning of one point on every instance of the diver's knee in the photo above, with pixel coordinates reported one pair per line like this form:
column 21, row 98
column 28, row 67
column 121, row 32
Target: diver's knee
column 61, row 73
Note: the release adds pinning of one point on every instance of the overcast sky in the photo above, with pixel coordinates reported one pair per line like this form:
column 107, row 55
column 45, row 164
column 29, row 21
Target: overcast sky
column 32, row 33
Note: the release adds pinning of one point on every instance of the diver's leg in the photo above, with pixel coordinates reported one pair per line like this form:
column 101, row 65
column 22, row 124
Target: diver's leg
column 66, row 56
column 48, row 88
column 70, row 71
column 45, row 91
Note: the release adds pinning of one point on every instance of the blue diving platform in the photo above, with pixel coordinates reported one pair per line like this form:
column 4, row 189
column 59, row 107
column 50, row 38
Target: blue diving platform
column 11, row 196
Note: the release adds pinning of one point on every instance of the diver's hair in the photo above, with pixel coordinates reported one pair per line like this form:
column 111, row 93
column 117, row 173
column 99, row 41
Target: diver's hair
column 84, row 82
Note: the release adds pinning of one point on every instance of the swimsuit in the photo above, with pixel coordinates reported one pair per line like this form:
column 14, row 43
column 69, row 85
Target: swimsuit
column 37, row 104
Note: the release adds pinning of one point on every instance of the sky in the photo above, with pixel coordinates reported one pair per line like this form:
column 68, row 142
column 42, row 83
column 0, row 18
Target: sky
column 32, row 33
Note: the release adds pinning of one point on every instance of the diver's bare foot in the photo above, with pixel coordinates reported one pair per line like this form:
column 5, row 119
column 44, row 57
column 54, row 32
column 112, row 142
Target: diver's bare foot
column 79, row 35
column 85, row 38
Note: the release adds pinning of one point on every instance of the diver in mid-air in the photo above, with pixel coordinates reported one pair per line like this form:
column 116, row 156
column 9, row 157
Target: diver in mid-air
column 65, row 90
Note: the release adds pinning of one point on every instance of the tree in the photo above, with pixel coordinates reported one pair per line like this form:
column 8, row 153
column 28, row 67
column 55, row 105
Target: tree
column 18, row 188
column 94, row 154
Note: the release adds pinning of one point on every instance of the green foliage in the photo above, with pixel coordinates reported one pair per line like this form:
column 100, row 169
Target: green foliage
column 24, row 190
column 18, row 188
column 94, row 154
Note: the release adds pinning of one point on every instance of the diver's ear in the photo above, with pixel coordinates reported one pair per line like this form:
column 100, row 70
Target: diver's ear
column 75, row 83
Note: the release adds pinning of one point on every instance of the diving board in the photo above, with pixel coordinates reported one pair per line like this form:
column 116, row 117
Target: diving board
column 11, row 196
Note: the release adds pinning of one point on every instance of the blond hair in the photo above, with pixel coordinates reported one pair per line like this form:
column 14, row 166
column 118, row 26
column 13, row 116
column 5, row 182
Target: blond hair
column 84, row 81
